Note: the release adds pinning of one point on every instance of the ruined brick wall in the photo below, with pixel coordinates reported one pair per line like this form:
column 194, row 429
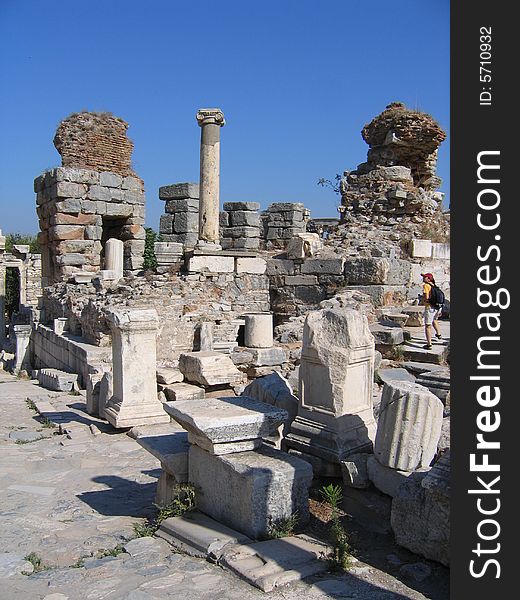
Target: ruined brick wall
column 98, row 141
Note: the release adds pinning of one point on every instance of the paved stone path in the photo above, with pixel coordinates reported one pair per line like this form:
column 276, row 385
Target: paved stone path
column 69, row 501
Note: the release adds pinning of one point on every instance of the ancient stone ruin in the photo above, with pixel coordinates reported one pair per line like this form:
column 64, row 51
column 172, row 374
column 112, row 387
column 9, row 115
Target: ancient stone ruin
column 257, row 355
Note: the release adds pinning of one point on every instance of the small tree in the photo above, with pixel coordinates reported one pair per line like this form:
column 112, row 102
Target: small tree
column 150, row 261
column 13, row 239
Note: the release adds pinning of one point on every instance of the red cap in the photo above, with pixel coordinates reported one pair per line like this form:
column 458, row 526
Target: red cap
column 429, row 275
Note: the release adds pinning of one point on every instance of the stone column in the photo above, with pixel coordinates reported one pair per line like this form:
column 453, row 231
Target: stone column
column 114, row 257
column 335, row 415
column 258, row 331
column 134, row 400
column 210, row 121
column 22, row 335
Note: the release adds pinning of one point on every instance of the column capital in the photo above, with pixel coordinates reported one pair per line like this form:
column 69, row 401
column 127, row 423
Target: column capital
column 210, row 116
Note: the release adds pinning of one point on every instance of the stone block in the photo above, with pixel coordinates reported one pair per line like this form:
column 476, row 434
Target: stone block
column 388, row 480
column 273, row 563
column 249, row 490
column 285, row 206
column 59, row 381
column 421, row 248
column 366, row 271
column 211, row 264
column 240, row 218
column 67, row 189
column 223, row 219
column 176, row 392
column 409, row 426
column 396, row 374
column 304, row 245
column 386, row 335
column 247, row 243
column 441, row 251
column 301, row 280
column 108, row 179
column 274, row 389
column 186, row 222
column 241, row 232
column 196, row 534
column 69, row 206
column 167, row 375
column 437, row 381
column 277, row 266
column 132, row 197
column 71, row 259
column 99, row 192
column 179, row 191
column 235, row 206
column 265, row 357
column 354, row 471
column 420, row 515
column 170, row 448
column 217, row 423
column 190, row 205
column 119, row 210
column 255, row 266
column 209, row 368
column 132, row 183
column 329, row 266
column 67, row 232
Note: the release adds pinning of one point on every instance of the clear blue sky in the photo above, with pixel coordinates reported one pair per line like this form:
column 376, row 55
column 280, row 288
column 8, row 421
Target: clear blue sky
column 296, row 79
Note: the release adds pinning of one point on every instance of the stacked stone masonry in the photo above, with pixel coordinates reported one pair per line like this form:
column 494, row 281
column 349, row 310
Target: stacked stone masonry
column 240, row 226
column 180, row 221
column 282, row 221
column 79, row 210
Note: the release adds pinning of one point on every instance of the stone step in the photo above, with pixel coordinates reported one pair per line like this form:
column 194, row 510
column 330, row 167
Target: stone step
column 59, row 381
column 272, row 563
column 196, row 534
column 413, row 351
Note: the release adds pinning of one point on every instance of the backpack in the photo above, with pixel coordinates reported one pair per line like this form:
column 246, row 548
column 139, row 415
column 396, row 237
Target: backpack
column 436, row 298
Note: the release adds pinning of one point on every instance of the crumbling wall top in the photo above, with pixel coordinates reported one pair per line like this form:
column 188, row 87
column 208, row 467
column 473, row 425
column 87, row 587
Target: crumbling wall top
column 98, row 141
column 400, row 124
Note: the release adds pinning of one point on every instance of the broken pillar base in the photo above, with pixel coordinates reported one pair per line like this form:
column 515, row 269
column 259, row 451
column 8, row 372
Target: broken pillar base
column 249, row 490
column 122, row 417
column 316, row 440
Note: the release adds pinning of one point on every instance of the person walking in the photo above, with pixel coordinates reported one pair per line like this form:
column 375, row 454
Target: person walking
column 432, row 309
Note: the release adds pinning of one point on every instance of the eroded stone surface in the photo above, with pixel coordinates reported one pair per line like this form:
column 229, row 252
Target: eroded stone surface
column 409, row 426
column 222, row 420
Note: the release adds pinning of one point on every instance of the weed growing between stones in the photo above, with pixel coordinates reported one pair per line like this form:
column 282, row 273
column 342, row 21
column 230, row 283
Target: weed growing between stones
column 47, row 423
column 21, row 442
column 30, row 404
column 184, row 502
column 282, row 527
column 396, row 353
column 340, row 559
column 36, row 562
column 119, row 549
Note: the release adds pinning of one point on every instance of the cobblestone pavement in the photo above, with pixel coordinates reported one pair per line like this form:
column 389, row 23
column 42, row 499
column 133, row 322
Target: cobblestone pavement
column 71, row 503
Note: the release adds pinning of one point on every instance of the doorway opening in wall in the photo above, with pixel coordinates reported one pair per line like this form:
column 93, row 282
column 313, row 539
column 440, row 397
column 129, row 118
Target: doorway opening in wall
column 112, row 228
column 12, row 291
column 241, row 336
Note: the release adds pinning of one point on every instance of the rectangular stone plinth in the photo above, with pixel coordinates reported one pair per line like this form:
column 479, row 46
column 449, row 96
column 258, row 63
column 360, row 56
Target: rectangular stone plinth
column 248, row 490
column 226, row 420
column 211, row 264
column 209, row 368
column 170, row 447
